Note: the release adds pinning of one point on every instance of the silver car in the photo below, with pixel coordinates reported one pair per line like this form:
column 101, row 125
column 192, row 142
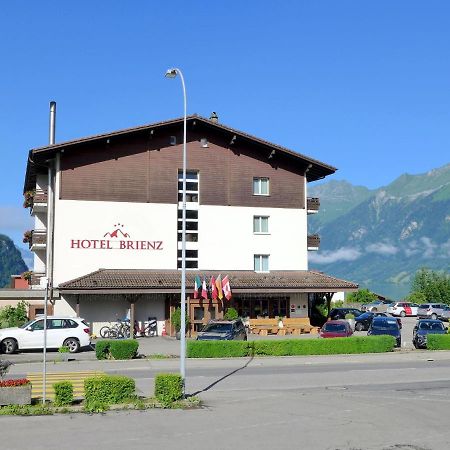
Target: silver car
column 430, row 310
column 445, row 315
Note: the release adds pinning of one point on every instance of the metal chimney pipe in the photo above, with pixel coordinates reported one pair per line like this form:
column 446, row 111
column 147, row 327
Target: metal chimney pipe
column 51, row 138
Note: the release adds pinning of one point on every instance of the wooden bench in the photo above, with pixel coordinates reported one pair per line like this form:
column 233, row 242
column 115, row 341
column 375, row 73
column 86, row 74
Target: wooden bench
column 298, row 325
column 264, row 327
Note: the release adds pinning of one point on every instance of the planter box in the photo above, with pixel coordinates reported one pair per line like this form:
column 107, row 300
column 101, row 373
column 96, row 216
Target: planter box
column 18, row 395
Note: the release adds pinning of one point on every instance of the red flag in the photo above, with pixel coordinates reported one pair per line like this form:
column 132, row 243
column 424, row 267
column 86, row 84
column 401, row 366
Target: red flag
column 226, row 287
column 204, row 290
column 214, row 292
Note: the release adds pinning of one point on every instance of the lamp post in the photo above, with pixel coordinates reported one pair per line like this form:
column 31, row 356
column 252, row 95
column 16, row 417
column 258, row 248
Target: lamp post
column 172, row 73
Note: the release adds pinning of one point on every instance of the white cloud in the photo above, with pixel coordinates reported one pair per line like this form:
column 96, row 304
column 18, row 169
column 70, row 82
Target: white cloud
column 341, row 254
column 14, row 218
column 382, row 248
column 429, row 247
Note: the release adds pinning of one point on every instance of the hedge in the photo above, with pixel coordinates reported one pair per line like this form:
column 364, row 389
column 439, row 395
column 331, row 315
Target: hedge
column 108, row 389
column 438, row 342
column 116, row 349
column 217, row 349
column 168, row 388
column 63, row 393
column 290, row 347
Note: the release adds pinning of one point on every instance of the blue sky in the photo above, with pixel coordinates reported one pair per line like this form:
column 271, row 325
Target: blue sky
column 361, row 85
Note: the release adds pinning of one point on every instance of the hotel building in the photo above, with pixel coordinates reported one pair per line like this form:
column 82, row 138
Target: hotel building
column 108, row 211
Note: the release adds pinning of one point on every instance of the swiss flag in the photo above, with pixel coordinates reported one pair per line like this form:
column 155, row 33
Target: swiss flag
column 226, row 287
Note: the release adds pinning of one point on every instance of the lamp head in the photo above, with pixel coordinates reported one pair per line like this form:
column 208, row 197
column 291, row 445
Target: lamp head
column 171, row 73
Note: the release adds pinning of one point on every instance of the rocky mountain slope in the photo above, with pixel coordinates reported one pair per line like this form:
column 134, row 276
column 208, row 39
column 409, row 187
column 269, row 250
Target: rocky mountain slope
column 380, row 238
column 11, row 262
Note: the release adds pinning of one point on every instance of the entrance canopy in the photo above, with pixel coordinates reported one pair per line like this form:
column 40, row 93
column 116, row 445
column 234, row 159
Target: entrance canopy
column 135, row 281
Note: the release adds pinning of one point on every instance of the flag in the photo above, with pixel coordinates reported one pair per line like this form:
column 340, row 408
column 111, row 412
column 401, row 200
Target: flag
column 214, row 292
column 204, row 289
column 226, row 287
column 219, row 287
column 197, row 284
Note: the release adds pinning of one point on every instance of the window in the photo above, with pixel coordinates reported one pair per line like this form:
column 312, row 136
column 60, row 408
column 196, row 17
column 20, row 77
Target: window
column 261, row 263
column 260, row 224
column 260, row 186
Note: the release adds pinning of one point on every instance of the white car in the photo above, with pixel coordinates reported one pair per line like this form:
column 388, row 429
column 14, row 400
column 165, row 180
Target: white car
column 72, row 332
column 403, row 309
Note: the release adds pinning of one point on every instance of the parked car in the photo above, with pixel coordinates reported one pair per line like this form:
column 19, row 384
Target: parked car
column 423, row 328
column 340, row 313
column 445, row 315
column 336, row 328
column 72, row 332
column 376, row 306
column 223, row 330
column 403, row 309
column 430, row 310
column 363, row 321
column 385, row 325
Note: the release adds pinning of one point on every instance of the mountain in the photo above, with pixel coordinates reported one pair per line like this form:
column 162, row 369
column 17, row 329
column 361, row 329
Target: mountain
column 380, row 241
column 11, row 262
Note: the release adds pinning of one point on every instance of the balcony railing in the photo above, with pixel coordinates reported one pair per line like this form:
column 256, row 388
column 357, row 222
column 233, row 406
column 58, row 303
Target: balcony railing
column 36, row 278
column 312, row 205
column 38, row 239
column 39, row 201
column 313, row 242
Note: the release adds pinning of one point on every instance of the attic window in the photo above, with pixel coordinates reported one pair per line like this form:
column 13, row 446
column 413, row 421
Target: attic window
column 204, row 143
column 173, row 140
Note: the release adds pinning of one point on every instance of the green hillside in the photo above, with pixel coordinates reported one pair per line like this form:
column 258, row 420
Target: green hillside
column 382, row 241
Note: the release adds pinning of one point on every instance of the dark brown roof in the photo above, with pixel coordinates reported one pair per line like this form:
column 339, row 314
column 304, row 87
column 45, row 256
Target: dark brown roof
column 133, row 281
column 39, row 156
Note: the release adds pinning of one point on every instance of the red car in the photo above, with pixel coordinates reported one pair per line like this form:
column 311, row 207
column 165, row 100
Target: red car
column 336, row 328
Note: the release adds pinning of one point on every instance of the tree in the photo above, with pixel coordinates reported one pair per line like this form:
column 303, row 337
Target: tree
column 231, row 314
column 361, row 296
column 434, row 286
column 11, row 316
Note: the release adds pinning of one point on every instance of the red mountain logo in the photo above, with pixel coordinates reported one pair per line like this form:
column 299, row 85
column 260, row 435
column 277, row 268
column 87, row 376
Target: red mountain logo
column 116, row 232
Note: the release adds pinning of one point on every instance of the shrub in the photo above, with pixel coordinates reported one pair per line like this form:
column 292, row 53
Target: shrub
column 168, row 388
column 13, row 316
column 176, row 319
column 102, row 349
column 438, row 342
column 116, row 349
column 217, row 349
column 104, row 390
column 349, row 316
column 63, row 393
column 124, row 349
column 291, row 347
column 231, row 314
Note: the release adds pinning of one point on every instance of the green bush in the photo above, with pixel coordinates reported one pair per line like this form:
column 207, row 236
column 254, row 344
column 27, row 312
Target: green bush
column 168, row 388
column 176, row 320
column 116, row 349
column 104, row 390
column 102, row 349
column 13, row 316
column 63, row 393
column 290, row 347
column 438, row 342
column 231, row 314
column 124, row 349
column 349, row 316
column 217, row 349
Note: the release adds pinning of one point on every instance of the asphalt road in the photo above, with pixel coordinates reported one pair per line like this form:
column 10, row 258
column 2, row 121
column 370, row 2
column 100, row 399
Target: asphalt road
column 389, row 401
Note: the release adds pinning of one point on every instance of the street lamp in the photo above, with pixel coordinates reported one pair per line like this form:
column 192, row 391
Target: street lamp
column 172, row 73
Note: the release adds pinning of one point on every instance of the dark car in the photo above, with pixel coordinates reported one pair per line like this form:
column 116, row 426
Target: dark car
column 385, row 325
column 423, row 328
column 340, row 313
column 362, row 322
column 336, row 328
column 223, row 330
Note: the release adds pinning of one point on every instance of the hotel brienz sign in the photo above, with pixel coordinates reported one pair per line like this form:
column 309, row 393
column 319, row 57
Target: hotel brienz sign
column 118, row 239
